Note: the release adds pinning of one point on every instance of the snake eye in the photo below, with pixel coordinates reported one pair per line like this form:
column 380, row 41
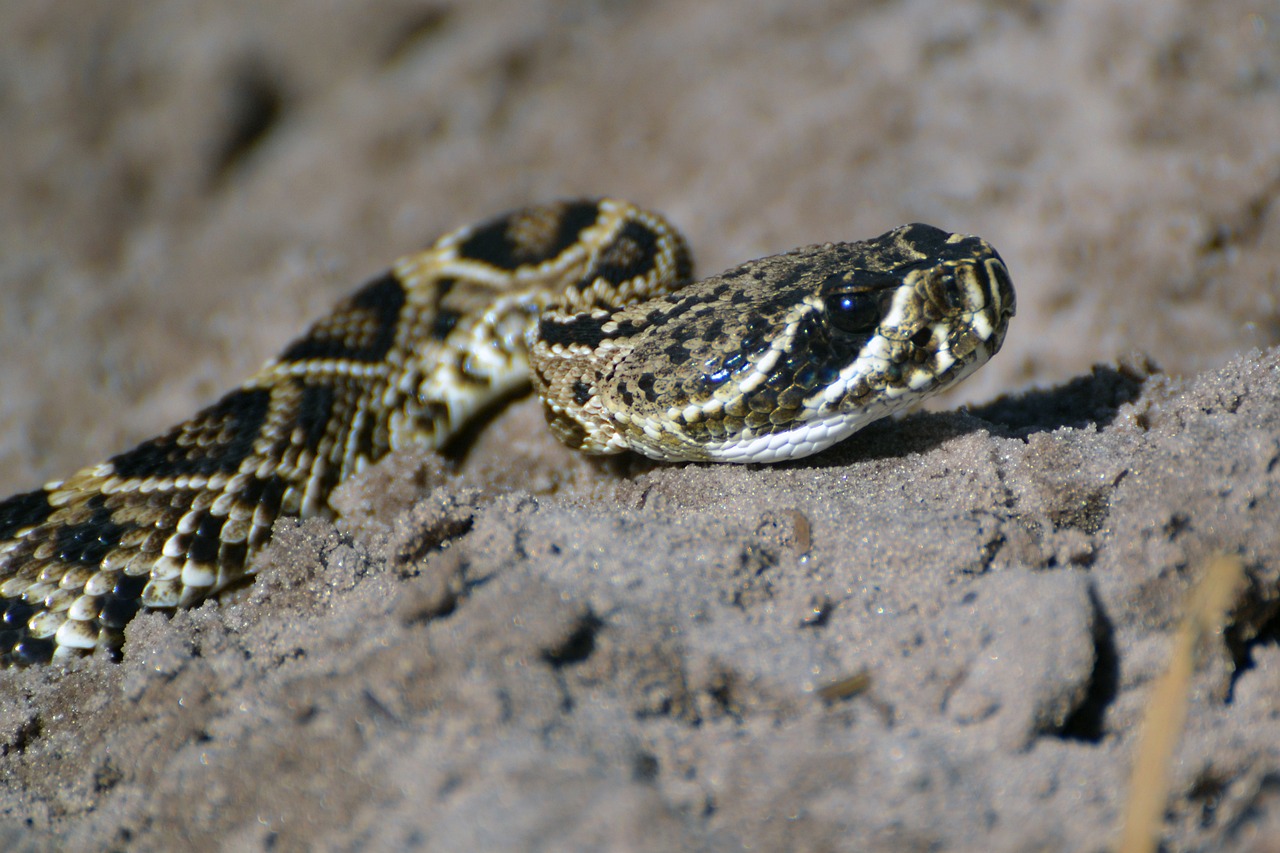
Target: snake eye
column 855, row 313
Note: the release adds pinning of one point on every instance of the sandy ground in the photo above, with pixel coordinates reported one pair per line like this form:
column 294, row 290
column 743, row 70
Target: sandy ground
column 524, row 649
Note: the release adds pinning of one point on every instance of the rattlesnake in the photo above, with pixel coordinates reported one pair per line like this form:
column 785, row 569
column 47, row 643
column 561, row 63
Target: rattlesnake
column 592, row 302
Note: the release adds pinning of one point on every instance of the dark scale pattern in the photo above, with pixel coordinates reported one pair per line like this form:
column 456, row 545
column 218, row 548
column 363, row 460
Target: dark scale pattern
column 266, row 494
column 204, row 542
column 315, row 413
column 25, row 510
column 582, row 329
column 362, row 329
column 120, row 605
column 239, row 416
column 529, row 237
column 16, row 612
column 681, row 303
column 444, row 323
column 233, row 556
column 30, row 651
column 632, row 254
column 644, row 382
column 88, row 541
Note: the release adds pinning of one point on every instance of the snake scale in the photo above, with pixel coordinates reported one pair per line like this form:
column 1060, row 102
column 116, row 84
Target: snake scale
column 593, row 303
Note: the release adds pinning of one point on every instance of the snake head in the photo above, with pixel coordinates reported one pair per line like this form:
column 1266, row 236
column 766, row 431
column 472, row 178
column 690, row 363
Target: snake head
column 784, row 356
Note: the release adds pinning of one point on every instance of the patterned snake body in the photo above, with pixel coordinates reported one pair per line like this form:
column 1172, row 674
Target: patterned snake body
column 589, row 300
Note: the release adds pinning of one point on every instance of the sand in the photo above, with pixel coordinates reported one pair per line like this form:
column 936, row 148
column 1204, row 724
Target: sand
column 941, row 634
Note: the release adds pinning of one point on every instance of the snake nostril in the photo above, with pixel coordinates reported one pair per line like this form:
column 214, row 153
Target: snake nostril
column 923, row 337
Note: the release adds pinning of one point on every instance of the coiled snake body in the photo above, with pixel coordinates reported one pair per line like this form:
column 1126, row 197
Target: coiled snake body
column 591, row 301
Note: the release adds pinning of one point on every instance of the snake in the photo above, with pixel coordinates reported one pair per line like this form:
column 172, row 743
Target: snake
column 591, row 303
